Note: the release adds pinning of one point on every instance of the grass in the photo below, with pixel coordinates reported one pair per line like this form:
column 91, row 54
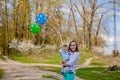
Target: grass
column 56, row 59
column 96, row 73
column 42, row 58
column 1, row 73
column 1, row 57
column 46, row 58
column 84, row 56
column 93, row 73
column 99, row 62
column 103, row 60
column 50, row 77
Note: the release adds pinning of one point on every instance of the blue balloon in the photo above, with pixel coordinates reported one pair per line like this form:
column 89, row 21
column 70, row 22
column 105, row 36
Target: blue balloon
column 41, row 18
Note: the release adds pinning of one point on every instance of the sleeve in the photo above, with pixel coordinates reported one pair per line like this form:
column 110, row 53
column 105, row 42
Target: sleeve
column 60, row 51
column 74, row 60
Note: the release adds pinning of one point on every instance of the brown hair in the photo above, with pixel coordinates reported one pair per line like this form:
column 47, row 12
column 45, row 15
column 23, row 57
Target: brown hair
column 77, row 50
column 65, row 45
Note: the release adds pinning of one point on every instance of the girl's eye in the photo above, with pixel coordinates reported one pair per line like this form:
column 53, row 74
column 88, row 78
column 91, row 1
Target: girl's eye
column 72, row 45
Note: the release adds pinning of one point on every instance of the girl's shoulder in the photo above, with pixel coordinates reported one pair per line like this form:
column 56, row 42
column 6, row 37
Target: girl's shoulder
column 77, row 53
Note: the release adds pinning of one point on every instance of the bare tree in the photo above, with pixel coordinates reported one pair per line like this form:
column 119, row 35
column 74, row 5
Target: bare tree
column 88, row 15
column 98, row 29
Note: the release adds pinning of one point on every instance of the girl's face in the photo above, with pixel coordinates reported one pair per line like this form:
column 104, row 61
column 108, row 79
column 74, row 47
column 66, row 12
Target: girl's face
column 73, row 47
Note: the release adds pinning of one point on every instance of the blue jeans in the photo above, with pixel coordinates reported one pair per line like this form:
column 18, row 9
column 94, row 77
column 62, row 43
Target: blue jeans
column 68, row 76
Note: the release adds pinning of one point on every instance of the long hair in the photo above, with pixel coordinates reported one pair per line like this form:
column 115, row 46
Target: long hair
column 77, row 50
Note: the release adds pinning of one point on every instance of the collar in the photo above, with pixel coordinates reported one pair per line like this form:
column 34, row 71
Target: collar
column 72, row 53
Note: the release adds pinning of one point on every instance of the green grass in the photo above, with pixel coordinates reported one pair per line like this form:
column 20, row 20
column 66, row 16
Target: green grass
column 94, row 73
column 84, row 56
column 1, row 73
column 1, row 57
column 43, row 58
column 50, row 77
column 101, row 61
column 46, row 58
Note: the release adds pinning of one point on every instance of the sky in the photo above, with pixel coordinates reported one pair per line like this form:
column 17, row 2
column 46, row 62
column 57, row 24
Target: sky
column 110, row 38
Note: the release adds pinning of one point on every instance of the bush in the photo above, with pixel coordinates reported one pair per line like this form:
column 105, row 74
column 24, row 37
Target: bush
column 25, row 46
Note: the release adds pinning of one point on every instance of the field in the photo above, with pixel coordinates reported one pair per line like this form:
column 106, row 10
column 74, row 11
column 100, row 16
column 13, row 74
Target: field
column 93, row 73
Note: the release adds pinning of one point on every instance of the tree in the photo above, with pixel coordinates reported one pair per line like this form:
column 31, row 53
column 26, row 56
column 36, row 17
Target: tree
column 5, row 27
column 90, row 10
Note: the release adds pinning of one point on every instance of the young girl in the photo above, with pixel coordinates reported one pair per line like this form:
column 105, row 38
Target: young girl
column 73, row 61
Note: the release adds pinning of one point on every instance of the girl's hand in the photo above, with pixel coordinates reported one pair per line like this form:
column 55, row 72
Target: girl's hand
column 63, row 62
column 66, row 65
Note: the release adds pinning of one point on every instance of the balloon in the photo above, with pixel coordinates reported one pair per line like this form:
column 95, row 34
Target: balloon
column 41, row 18
column 35, row 29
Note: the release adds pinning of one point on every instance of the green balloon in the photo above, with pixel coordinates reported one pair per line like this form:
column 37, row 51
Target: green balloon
column 35, row 29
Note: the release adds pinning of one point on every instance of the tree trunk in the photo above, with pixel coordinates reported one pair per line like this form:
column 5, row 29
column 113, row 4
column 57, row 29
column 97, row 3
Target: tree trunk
column 73, row 15
column 6, row 24
column 97, row 32
column 69, row 22
column 93, row 4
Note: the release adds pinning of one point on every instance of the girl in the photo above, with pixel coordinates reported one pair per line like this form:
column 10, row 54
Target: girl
column 73, row 60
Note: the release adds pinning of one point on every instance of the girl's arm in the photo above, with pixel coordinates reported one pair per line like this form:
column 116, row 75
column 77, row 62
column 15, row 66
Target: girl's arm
column 73, row 60
column 66, row 65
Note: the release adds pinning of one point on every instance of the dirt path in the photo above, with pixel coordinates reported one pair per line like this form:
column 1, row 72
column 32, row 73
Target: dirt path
column 86, row 64
column 19, row 71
